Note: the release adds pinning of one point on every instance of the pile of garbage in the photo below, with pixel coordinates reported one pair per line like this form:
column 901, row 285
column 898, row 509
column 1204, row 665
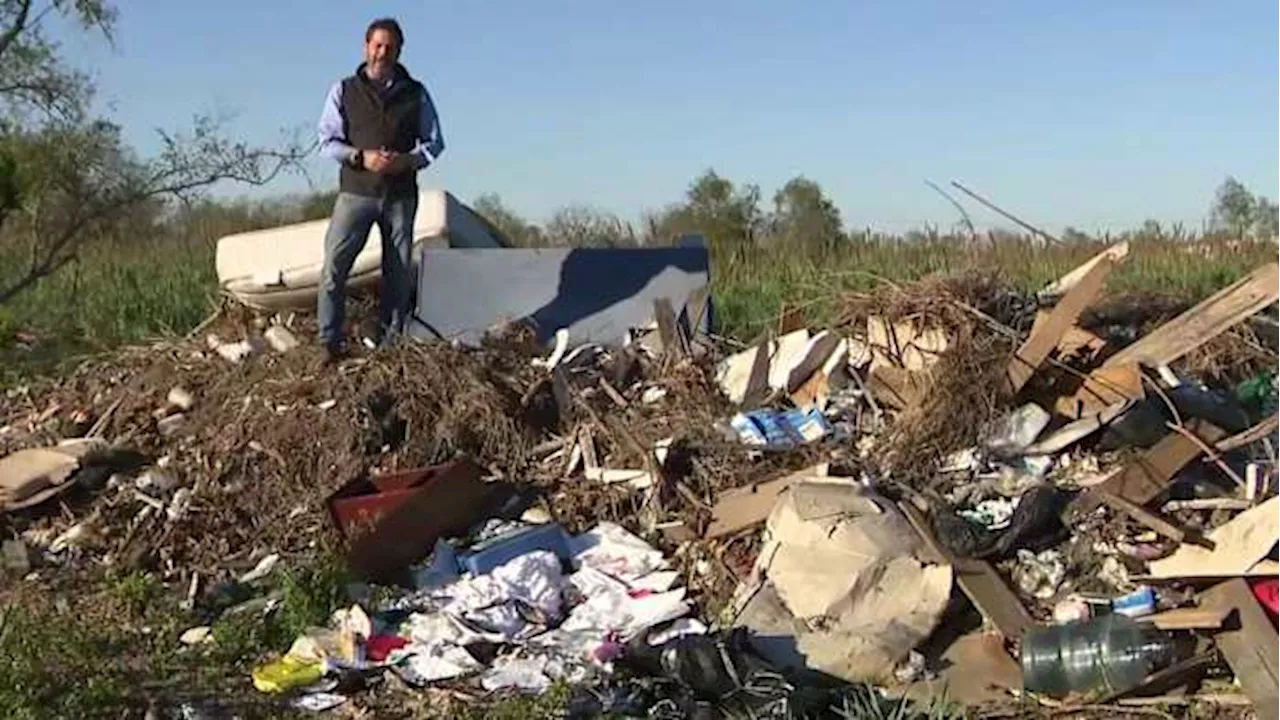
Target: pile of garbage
column 1064, row 500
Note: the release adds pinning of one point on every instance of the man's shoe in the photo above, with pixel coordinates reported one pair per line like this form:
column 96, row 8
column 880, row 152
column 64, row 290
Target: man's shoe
column 333, row 356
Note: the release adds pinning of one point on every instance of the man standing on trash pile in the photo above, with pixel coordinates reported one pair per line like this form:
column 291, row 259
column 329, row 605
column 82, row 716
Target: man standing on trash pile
column 381, row 126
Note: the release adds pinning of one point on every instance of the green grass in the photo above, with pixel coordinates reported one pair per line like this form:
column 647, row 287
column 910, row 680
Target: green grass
column 112, row 297
column 112, row 647
column 108, row 298
column 749, row 295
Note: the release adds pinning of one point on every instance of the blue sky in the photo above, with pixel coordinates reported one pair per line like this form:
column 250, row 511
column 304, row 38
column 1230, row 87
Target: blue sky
column 1094, row 113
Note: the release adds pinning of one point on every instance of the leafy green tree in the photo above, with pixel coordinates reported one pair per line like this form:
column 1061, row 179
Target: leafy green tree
column 729, row 217
column 804, row 217
column 507, row 222
column 67, row 178
column 1233, row 208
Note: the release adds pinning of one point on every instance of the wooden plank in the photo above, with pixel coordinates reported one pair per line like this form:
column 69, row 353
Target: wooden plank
column 1040, row 343
column 1249, row 644
column 741, row 508
column 674, row 343
column 978, row 580
column 758, row 381
column 1205, row 321
column 1188, row 618
column 1116, row 254
column 1076, row 340
column 698, row 302
column 1155, row 521
column 1145, row 478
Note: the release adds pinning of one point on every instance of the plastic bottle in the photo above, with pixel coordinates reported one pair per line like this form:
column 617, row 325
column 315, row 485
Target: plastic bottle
column 1111, row 653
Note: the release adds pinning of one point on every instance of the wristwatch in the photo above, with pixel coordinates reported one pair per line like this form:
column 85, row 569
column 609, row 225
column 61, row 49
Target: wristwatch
column 356, row 159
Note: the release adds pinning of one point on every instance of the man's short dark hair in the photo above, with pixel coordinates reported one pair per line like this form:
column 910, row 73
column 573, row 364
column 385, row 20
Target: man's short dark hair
column 388, row 24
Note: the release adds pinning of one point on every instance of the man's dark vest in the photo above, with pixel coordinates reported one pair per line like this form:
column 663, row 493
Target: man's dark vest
column 381, row 118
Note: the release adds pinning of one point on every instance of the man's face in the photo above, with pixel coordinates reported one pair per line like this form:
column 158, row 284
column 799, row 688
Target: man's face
column 380, row 54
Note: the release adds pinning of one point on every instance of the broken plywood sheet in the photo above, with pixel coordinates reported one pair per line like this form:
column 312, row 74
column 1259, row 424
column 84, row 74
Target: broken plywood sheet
column 1240, row 545
column 841, row 562
column 1043, row 341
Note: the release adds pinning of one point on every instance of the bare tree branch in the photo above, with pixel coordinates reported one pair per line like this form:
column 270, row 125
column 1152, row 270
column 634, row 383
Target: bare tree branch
column 1030, row 228
column 973, row 234
column 90, row 185
column 19, row 25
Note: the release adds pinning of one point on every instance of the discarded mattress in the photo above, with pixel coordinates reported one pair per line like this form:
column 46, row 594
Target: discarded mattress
column 596, row 294
column 280, row 267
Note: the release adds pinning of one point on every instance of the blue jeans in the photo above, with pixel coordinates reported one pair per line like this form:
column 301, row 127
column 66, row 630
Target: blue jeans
column 349, row 226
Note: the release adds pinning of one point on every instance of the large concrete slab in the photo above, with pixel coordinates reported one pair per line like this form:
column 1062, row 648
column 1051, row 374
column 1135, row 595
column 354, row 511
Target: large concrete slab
column 597, row 294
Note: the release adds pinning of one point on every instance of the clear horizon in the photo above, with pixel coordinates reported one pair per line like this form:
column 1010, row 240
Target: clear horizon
column 1097, row 116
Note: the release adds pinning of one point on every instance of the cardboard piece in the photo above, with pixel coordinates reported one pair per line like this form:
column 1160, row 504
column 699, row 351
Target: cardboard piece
column 841, row 564
column 976, row 670
column 32, row 476
column 904, row 345
column 897, row 388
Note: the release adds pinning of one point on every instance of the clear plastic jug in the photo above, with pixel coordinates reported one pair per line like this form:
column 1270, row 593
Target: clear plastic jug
column 1111, row 653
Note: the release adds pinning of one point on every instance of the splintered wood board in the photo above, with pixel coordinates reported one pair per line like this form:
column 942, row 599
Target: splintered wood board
column 1202, row 323
column 1044, row 339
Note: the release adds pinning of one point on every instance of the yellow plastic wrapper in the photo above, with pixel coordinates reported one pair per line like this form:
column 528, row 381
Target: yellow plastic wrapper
column 286, row 674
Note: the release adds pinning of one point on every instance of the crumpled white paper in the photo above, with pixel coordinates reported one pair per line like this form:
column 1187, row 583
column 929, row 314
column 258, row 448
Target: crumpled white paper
column 625, row 586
